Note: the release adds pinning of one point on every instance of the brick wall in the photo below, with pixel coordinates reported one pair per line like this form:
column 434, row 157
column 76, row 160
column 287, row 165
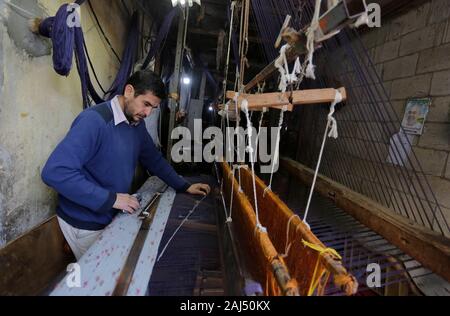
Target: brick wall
column 411, row 53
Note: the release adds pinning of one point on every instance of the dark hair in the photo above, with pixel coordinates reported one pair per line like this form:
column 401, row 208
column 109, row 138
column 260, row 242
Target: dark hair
column 144, row 81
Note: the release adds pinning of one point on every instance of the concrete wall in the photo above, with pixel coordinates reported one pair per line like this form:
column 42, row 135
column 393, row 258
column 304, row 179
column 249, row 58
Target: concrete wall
column 37, row 107
column 412, row 55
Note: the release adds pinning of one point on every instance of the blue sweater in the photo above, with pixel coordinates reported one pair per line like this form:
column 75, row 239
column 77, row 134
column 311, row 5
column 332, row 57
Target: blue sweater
column 95, row 161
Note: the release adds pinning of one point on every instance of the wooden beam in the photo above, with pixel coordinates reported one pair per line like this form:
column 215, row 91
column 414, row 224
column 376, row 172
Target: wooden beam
column 334, row 19
column 429, row 248
column 261, row 253
column 278, row 100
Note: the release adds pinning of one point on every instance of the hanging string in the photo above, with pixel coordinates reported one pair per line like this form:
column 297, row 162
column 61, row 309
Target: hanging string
column 229, row 218
column 232, row 173
column 277, row 149
column 236, row 98
column 310, row 43
column 264, row 110
column 244, row 105
column 288, row 245
column 225, row 80
column 330, row 131
column 286, row 79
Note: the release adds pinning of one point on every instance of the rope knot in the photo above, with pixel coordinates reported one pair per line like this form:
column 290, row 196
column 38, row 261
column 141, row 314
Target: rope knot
column 332, row 121
column 261, row 228
column 267, row 189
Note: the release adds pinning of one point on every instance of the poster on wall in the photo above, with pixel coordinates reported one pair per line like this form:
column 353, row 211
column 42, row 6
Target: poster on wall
column 415, row 114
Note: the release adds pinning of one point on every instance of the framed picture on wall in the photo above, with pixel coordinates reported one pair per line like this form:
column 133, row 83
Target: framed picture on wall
column 415, row 115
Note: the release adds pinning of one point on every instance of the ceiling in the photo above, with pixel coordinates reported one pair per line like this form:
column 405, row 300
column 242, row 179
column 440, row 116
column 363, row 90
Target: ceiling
column 208, row 21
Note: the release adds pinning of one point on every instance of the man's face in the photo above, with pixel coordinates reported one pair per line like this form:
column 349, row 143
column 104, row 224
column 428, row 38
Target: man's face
column 138, row 108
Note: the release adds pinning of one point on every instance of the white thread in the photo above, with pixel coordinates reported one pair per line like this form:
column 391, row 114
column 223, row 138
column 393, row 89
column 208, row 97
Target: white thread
column 277, row 147
column 332, row 125
column 236, row 101
column 261, row 228
column 244, row 106
column 282, row 65
column 362, row 20
column 223, row 200
column 311, row 36
column 288, row 247
column 259, row 133
column 286, row 78
column 231, row 173
column 333, row 128
column 229, row 219
column 227, row 130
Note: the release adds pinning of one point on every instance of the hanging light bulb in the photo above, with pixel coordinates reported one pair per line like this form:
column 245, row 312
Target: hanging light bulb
column 183, row 2
column 186, row 80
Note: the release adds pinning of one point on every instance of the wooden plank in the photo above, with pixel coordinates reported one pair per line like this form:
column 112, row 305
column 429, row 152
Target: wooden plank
column 278, row 99
column 29, row 264
column 429, row 248
column 102, row 264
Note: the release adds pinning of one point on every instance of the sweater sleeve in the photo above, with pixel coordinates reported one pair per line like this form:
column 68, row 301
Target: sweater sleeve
column 63, row 168
column 152, row 159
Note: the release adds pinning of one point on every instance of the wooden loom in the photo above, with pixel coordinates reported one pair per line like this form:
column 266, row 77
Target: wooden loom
column 308, row 265
column 426, row 246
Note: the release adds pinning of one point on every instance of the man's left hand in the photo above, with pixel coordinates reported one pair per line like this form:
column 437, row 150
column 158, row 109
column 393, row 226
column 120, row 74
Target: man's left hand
column 199, row 189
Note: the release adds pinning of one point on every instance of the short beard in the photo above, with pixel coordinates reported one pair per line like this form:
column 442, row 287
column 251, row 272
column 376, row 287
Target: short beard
column 127, row 114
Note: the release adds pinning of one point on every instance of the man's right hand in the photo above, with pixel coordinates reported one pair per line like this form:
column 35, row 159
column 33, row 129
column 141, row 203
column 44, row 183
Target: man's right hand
column 126, row 202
